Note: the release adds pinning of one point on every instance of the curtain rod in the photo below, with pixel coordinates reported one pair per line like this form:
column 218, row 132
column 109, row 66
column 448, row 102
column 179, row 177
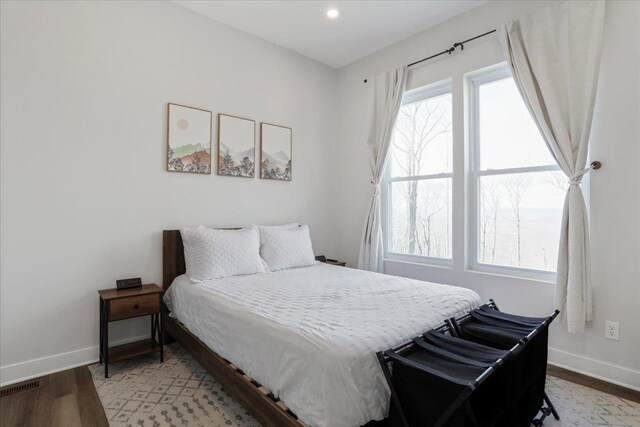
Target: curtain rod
column 450, row 50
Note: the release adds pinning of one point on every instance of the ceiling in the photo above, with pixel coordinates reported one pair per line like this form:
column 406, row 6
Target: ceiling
column 363, row 27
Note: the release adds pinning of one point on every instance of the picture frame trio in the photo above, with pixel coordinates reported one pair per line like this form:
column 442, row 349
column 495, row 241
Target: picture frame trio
column 189, row 145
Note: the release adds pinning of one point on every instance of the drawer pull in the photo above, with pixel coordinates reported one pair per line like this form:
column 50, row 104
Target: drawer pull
column 136, row 306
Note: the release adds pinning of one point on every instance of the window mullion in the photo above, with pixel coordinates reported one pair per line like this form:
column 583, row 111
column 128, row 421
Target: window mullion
column 421, row 177
column 513, row 171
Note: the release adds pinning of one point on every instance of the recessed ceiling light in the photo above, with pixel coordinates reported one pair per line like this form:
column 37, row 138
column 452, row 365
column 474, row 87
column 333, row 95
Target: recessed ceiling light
column 332, row 13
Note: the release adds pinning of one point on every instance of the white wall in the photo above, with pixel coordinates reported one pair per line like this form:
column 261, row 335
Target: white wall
column 614, row 190
column 85, row 195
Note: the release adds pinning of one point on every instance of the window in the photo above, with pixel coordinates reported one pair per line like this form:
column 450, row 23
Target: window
column 419, row 176
column 473, row 188
column 516, row 189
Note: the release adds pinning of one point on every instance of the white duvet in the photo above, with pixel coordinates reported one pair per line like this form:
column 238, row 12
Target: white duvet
column 310, row 334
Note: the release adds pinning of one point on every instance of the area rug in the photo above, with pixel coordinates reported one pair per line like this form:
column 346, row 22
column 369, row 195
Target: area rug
column 178, row 392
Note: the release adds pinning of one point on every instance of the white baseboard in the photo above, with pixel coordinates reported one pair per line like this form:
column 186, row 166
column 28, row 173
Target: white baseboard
column 50, row 364
column 23, row 371
column 604, row 371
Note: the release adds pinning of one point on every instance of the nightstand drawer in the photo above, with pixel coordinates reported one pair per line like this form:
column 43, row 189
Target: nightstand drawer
column 124, row 308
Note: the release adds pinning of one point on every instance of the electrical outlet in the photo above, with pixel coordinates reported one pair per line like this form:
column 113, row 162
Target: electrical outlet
column 612, row 330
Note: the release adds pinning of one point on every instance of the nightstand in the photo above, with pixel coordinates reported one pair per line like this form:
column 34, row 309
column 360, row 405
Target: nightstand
column 126, row 304
column 326, row 260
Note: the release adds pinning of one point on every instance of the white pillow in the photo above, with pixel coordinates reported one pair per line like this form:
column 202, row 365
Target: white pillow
column 213, row 254
column 276, row 227
column 286, row 248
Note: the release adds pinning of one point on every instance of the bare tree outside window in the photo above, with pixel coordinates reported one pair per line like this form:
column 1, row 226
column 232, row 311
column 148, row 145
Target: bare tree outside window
column 516, row 187
column 489, row 211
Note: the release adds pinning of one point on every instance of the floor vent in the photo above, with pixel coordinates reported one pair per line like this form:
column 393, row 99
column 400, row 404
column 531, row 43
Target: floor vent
column 19, row 388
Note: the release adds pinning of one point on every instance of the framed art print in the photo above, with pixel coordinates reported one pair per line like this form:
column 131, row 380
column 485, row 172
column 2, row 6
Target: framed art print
column 275, row 152
column 188, row 139
column 236, row 146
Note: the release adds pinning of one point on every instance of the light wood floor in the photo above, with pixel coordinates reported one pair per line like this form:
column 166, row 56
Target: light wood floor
column 596, row 384
column 69, row 399
column 66, row 398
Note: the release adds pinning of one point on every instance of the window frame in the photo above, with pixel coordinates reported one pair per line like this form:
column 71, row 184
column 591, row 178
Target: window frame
column 474, row 80
column 409, row 97
column 463, row 264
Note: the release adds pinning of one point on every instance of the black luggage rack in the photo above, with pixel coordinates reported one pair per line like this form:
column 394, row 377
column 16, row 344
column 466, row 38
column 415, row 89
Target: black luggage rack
column 485, row 368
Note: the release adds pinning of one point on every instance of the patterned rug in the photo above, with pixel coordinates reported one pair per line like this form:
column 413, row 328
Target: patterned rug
column 178, row 392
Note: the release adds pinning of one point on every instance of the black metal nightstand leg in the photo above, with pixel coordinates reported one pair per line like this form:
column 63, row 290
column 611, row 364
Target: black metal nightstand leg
column 101, row 321
column 161, row 336
column 106, row 347
column 153, row 327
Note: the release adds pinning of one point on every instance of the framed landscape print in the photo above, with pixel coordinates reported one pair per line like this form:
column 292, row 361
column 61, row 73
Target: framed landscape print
column 275, row 152
column 236, row 146
column 188, row 139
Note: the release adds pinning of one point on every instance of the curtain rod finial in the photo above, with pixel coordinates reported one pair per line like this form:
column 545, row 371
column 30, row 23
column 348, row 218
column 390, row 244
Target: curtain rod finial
column 596, row 164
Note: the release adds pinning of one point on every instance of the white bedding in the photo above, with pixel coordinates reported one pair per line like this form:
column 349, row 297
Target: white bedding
column 310, row 334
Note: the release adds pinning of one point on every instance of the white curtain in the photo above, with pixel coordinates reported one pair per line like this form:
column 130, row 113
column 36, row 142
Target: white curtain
column 385, row 97
column 554, row 57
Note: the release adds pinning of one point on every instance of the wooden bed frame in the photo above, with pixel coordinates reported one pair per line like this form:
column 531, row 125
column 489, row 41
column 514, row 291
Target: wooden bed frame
column 256, row 399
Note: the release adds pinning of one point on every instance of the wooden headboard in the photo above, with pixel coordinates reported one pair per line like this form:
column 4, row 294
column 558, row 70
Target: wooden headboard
column 172, row 257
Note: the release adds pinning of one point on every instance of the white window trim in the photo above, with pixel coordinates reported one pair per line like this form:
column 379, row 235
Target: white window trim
column 475, row 80
column 410, row 97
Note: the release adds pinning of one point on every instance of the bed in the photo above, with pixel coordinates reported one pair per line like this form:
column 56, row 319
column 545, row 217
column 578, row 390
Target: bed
column 297, row 347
